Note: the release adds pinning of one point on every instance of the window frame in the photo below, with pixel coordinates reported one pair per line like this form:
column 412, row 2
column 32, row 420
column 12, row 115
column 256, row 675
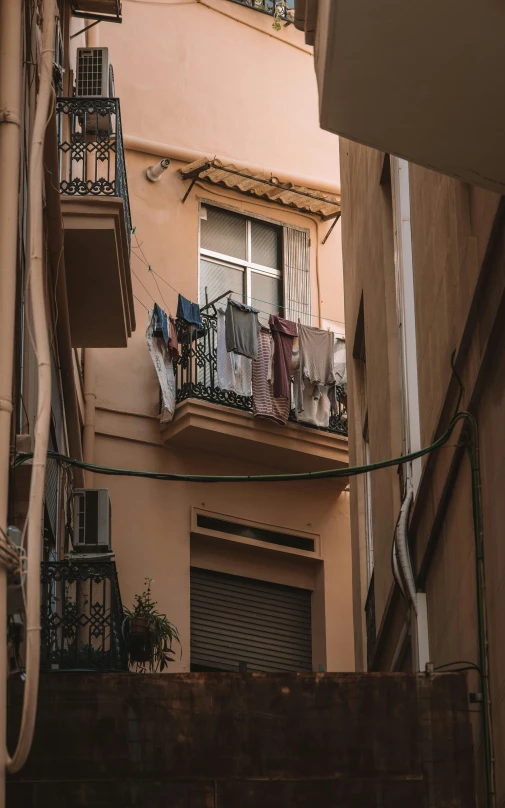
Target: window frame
column 244, row 264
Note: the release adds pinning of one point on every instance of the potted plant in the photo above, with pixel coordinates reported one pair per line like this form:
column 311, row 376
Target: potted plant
column 148, row 633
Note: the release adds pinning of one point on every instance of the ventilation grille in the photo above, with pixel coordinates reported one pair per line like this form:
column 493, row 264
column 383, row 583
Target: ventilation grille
column 258, row 533
column 90, row 65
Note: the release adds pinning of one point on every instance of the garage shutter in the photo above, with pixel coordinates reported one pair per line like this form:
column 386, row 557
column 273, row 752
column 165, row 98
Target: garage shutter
column 240, row 620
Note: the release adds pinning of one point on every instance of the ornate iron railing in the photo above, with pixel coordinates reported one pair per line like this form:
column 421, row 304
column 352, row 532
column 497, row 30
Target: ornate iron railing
column 371, row 628
column 196, row 375
column 81, row 616
column 90, row 144
column 275, row 8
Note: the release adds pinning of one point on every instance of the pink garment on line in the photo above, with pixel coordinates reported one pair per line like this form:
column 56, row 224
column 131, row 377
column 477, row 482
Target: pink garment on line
column 264, row 403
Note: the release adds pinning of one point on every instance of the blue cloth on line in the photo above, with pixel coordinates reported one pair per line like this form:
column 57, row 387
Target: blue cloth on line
column 190, row 312
column 160, row 324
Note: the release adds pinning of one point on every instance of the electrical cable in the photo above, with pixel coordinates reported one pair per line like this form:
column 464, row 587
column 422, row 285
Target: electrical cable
column 139, row 301
column 473, row 453
column 344, row 472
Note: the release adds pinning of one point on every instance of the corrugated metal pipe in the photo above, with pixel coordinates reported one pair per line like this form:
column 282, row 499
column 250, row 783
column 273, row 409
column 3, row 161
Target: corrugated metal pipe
column 41, row 347
column 10, row 149
column 402, row 548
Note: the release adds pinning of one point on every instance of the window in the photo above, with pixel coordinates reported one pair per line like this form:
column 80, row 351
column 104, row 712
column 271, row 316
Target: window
column 242, row 254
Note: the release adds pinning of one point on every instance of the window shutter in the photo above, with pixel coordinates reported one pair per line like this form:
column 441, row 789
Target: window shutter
column 296, row 275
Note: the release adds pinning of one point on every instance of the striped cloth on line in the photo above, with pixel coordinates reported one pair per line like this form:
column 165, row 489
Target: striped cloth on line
column 264, row 403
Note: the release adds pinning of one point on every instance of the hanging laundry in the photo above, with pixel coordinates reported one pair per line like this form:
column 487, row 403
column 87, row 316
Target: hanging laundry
column 264, row 403
column 173, row 343
column 316, row 361
column 160, row 325
column 340, row 384
column 283, row 333
column 316, row 411
column 188, row 311
column 242, row 329
column 234, row 372
column 164, row 369
column 339, row 362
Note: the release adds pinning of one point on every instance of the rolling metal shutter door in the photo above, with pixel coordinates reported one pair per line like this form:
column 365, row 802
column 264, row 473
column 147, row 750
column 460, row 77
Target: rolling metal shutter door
column 234, row 620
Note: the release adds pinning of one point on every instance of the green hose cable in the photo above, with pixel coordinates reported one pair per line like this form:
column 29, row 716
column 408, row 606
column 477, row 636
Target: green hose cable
column 353, row 471
column 261, row 478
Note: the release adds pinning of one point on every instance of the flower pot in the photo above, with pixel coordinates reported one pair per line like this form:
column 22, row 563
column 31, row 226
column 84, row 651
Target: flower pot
column 139, row 625
column 139, row 640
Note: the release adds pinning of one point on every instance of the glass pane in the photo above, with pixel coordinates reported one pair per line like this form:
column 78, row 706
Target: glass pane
column 218, row 279
column 265, row 245
column 224, row 233
column 266, row 294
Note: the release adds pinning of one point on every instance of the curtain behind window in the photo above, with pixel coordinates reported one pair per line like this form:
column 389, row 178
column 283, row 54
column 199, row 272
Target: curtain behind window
column 296, row 275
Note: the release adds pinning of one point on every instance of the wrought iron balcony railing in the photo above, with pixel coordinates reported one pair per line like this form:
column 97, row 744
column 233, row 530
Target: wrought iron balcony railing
column 91, row 153
column 196, row 375
column 81, row 616
column 276, row 8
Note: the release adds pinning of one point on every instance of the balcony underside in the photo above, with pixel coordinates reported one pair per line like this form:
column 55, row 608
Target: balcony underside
column 420, row 81
column 235, row 433
column 100, row 299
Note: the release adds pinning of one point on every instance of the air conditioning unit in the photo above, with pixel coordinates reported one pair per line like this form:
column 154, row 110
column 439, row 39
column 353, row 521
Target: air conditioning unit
column 92, row 520
column 94, row 77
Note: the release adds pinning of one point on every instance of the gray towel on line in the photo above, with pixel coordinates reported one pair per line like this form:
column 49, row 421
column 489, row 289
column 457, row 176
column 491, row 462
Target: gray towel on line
column 316, row 348
column 242, row 329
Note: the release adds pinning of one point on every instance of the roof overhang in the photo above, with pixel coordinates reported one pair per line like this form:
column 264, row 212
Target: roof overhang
column 423, row 81
column 305, row 200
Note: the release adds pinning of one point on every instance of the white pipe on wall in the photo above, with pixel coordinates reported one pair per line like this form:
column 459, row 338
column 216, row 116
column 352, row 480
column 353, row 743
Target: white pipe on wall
column 10, row 149
column 191, row 155
column 41, row 348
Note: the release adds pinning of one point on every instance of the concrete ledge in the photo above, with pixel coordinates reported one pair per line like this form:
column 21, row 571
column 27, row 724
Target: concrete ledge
column 224, row 430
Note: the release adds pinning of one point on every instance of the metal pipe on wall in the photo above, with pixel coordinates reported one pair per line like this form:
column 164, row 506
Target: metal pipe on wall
column 191, row 155
column 41, row 348
column 10, row 149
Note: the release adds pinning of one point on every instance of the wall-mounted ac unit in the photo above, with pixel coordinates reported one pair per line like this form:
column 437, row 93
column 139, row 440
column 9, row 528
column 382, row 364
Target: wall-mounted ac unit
column 94, row 78
column 92, row 520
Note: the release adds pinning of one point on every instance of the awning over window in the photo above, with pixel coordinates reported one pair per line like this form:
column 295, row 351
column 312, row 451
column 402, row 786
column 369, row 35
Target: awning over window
column 307, row 200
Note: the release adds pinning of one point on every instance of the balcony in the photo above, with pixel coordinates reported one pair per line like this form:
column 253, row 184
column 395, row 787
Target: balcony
column 81, row 616
column 204, row 409
column 281, row 11
column 96, row 220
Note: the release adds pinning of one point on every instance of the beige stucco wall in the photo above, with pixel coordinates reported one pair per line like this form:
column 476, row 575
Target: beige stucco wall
column 458, row 286
column 193, row 77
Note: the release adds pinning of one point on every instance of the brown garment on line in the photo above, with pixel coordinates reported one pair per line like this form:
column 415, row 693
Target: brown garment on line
column 264, row 403
column 173, row 342
column 283, row 332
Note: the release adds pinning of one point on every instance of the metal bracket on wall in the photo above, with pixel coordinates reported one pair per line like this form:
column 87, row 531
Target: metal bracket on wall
column 328, row 234
column 189, row 189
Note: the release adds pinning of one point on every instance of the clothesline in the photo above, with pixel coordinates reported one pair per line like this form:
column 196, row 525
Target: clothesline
column 275, row 306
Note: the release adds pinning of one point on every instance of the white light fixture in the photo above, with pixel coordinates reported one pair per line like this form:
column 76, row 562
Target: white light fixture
column 154, row 173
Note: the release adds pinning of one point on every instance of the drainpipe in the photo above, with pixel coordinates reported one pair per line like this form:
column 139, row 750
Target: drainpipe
column 93, row 37
column 41, row 347
column 89, row 413
column 10, row 147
